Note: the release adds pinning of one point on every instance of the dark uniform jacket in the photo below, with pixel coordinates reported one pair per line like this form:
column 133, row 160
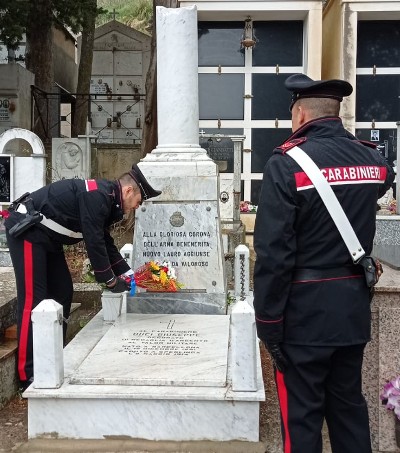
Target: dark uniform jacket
column 294, row 230
column 85, row 206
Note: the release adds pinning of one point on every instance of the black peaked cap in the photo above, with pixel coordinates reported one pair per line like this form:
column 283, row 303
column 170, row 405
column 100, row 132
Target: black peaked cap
column 145, row 188
column 302, row 86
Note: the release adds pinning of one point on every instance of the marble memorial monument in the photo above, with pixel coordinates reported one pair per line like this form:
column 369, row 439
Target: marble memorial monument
column 190, row 371
column 181, row 225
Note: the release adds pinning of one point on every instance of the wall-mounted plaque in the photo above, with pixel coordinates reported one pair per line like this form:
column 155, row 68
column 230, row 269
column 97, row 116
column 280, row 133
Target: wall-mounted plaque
column 6, row 178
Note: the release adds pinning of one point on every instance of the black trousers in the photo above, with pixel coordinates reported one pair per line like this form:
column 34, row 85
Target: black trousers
column 41, row 272
column 323, row 382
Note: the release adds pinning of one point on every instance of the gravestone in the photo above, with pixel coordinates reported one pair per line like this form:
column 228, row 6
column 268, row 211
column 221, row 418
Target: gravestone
column 19, row 174
column 141, row 375
column 163, row 350
column 28, row 173
column 182, row 225
column 71, row 157
column 171, row 375
column 226, row 152
column 15, row 99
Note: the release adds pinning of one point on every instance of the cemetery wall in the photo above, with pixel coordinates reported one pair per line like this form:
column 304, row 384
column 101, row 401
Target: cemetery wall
column 15, row 97
column 65, row 60
column 110, row 161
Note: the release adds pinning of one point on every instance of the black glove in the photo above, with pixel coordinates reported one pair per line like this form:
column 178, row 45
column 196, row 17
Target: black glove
column 120, row 286
column 278, row 358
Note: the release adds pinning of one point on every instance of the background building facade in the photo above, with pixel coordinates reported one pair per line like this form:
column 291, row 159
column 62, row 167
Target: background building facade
column 241, row 89
column 361, row 43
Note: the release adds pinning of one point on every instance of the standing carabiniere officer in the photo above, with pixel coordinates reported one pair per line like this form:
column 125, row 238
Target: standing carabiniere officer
column 311, row 302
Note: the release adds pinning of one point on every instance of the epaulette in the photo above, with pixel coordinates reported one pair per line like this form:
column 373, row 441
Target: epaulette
column 291, row 144
column 367, row 143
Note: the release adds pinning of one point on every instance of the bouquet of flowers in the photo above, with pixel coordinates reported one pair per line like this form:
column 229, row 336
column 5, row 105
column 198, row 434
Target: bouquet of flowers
column 246, row 206
column 4, row 214
column 156, row 276
column 391, row 396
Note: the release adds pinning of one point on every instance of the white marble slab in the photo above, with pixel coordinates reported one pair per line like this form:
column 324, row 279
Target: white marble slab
column 160, row 350
column 187, row 235
column 173, row 420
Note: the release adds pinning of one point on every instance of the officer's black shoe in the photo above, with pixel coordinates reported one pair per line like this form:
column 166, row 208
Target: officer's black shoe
column 23, row 385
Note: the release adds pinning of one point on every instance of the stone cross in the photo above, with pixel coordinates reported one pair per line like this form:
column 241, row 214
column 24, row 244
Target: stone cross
column 88, row 137
column 114, row 14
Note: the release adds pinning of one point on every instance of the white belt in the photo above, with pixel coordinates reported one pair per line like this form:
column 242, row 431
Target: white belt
column 51, row 225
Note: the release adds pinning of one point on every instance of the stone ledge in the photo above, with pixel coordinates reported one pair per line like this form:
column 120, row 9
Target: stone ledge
column 7, row 348
column 137, row 446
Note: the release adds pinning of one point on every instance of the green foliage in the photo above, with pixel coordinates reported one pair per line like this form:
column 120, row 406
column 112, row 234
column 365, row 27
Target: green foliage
column 16, row 15
column 230, row 299
column 13, row 17
column 137, row 14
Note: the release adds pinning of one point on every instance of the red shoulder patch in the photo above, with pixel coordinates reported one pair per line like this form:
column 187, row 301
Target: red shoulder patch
column 367, row 143
column 91, row 184
column 291, row 144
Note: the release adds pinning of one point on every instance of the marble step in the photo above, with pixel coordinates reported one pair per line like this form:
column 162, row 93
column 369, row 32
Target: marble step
column 137, row 446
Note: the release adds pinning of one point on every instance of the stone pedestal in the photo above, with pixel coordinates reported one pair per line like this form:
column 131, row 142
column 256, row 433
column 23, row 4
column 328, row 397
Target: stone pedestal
column 244, row 343
column 111, row 304
column 387, row 240
column 47, row 319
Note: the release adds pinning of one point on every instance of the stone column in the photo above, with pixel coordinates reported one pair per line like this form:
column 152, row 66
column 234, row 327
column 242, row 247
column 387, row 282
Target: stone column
column 349, row 65
column 243, row 347
column 242, row 271
column 177, row 80
column 48, row 359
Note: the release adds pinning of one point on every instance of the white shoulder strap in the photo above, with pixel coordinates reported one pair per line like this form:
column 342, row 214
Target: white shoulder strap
column 331, row 202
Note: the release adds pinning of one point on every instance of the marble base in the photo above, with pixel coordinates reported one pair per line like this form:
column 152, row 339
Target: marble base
column 147, row 412
column 387, row 240
column 143, row 419
column 5, row 258
column 176, row 303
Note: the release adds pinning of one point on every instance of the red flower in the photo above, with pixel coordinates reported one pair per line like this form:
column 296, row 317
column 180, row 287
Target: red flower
column 4, row 214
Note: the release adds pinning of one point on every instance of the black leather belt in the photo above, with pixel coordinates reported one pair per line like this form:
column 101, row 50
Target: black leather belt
column 306, row 275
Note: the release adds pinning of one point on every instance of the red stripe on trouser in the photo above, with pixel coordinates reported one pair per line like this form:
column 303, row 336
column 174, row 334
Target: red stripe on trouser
column 283, row 402
column 26, row 313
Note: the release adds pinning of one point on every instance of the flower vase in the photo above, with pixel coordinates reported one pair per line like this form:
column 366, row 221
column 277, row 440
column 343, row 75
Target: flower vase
column 397, row 430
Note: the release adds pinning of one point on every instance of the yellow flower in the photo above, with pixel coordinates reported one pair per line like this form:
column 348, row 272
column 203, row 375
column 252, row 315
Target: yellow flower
column 163, row 277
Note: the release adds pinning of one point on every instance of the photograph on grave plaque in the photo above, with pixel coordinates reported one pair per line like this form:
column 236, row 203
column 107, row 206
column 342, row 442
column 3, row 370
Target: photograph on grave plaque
column 6, row 173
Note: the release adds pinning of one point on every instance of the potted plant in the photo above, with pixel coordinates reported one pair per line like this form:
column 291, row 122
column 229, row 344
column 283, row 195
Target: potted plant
column 390, row 397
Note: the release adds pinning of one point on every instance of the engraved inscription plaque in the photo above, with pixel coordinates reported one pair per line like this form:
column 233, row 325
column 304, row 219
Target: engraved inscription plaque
column 182, row 350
